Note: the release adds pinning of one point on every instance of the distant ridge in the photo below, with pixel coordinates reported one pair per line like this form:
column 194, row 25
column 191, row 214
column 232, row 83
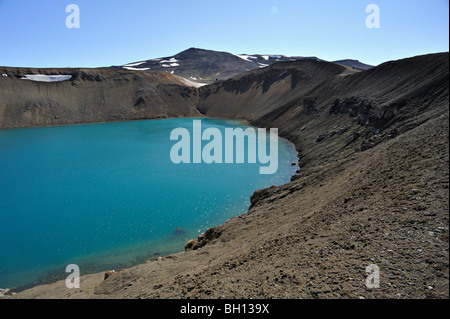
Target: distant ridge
column 206, row 66
column 354, row 64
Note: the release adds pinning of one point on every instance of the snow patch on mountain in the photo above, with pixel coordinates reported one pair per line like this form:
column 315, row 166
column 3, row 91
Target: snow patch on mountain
column 133, row 64
column 136, row 69
column 246, row 57
column 46, row 78
column 170, row 65
column 172, row 60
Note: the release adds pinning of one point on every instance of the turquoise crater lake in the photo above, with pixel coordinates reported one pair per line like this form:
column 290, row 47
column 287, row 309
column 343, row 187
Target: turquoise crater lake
column 106, row 196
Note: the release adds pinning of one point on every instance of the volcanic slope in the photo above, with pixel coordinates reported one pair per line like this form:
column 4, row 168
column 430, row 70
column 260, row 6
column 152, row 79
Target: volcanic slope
column 373, row 189
column 91, row 95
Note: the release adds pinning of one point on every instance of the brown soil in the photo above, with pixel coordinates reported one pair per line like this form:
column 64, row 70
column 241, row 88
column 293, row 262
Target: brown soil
column 92, row 95
column 373, row 189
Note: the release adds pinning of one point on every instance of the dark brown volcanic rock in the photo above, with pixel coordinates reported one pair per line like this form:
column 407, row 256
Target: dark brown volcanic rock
column 348, row 111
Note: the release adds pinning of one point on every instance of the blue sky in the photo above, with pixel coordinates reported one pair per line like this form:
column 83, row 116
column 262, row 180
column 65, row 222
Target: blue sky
column 33, row 33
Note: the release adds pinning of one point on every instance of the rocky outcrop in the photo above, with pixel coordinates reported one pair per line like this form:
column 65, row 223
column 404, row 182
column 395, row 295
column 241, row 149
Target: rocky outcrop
column 259, row 195
column 203, row 239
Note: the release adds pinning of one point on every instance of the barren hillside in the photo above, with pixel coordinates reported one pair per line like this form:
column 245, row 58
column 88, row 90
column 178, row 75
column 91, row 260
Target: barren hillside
column 373, row 188
column 91, row 95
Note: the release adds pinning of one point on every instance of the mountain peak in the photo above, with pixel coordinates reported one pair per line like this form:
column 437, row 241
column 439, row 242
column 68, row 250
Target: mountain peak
column 192, row 50
column 206, row 66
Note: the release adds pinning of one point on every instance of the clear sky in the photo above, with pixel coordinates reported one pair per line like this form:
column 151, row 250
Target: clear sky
column 33, row 33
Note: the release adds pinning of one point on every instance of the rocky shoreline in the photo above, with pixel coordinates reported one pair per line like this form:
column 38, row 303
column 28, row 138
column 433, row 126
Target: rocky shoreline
column 373, row 147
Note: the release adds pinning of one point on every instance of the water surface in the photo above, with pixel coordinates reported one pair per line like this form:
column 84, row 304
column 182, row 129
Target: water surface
column 106, row 196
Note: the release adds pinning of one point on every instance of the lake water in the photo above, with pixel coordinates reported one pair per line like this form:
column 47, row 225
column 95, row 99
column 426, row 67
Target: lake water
column 107, row 196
